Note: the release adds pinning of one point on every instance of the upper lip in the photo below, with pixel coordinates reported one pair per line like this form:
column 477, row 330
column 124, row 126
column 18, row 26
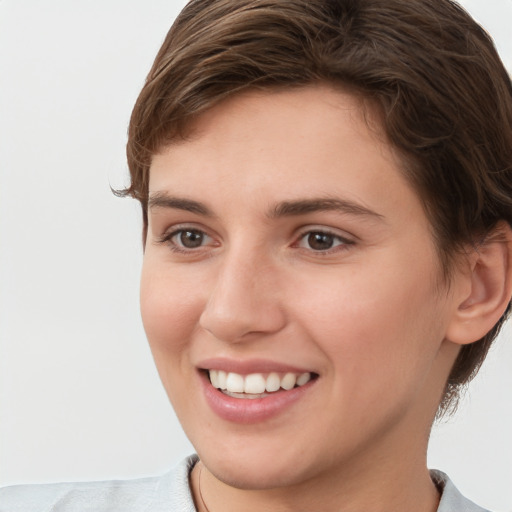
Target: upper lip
column 246, row 367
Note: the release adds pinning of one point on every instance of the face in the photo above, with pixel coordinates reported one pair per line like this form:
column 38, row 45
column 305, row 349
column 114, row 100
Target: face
column 289, row 263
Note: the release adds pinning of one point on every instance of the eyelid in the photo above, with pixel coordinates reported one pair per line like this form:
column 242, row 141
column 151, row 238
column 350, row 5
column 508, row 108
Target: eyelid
column 315, row 228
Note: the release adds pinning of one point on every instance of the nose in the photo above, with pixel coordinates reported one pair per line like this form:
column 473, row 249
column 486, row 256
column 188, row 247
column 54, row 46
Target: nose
column 243, row 300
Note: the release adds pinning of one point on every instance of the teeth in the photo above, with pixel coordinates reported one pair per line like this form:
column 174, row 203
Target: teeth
column 214, row 378
column 244, row 395
column 222, row 378
column 273, row 382
column 235, row 383
column 288, row 381
column 256, row 384
column 303, row 379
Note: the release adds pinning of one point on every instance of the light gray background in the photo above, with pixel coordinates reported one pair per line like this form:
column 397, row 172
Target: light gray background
column 79, row 397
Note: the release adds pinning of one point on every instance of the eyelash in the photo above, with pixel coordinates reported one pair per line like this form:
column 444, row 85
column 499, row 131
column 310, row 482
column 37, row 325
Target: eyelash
column 167, row 239
column 342, row 244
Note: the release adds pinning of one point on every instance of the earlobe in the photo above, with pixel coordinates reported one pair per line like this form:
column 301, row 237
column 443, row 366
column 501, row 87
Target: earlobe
column 487, row 288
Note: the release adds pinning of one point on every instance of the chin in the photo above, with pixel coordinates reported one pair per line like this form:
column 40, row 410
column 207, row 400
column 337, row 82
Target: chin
column 263, row 461
column 250, row 474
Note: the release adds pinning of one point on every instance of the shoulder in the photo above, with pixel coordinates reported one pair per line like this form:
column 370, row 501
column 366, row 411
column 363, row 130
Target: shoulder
column 165, row 493
column 451, row 498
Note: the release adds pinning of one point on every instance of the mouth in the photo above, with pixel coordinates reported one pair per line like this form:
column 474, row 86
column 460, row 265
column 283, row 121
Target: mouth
column 254, row 391
column 257, row 385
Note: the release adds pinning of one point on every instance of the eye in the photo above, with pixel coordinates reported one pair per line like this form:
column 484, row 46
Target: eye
column 321, row 241
column 189, row 238
column 186, row 239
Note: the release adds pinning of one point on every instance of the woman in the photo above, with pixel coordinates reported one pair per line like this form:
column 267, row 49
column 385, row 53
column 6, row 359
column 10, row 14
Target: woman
column 325, row 191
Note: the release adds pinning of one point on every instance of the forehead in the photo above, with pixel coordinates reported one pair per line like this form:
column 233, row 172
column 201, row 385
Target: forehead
column 282, row 143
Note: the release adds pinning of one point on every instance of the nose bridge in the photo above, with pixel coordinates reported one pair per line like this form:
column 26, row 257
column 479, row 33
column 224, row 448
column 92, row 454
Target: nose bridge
column 243, row 298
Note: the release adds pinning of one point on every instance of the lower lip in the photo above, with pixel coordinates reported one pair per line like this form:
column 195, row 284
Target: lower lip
column 247, row 410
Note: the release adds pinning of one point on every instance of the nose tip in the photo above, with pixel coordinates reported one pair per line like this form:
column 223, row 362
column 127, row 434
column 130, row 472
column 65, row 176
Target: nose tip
column 242, row 305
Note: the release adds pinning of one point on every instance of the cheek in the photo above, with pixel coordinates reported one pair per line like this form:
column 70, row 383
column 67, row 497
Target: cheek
column 169, row 310
column 375, row 329
column 170, row 315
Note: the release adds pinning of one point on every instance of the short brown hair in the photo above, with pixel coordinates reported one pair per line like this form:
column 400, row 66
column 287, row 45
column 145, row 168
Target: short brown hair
column 444, row 97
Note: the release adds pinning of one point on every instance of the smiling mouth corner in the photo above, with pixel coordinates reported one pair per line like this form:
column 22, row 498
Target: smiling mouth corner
column 257, row 385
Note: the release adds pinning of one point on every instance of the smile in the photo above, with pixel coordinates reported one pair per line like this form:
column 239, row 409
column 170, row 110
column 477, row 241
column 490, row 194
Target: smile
column 255, row 390
column 256, row 385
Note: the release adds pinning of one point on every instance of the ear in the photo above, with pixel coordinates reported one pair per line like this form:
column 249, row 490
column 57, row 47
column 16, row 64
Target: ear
column 483, row 291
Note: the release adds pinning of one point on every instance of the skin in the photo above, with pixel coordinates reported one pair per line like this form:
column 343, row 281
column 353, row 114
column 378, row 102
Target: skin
column 370, row 315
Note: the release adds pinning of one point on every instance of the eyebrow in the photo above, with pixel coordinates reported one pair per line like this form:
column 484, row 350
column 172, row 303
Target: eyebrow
column 283, row 209
column 163, row 200
column 304, row 206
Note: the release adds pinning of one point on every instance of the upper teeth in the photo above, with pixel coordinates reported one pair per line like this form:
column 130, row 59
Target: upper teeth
column 256, row 383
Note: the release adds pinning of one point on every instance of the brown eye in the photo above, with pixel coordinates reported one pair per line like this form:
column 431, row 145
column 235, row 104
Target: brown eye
column 320, row 241
column 190, row 239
